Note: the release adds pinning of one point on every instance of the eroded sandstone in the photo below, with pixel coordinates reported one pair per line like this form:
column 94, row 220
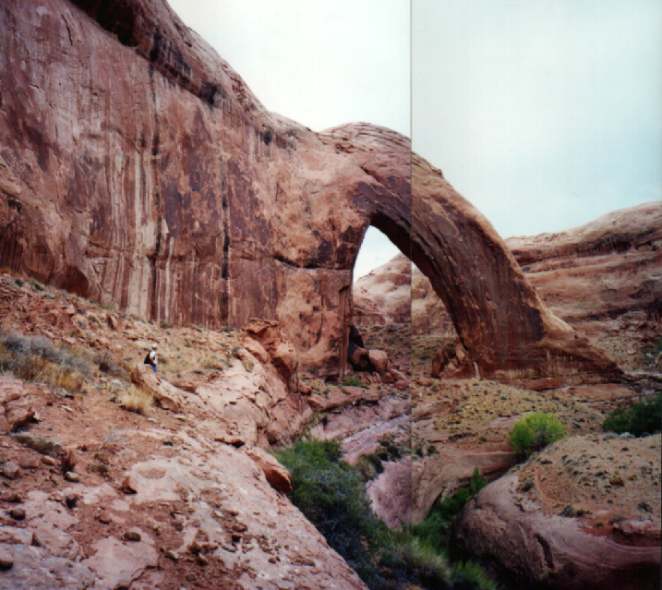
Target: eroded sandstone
column 138, row 169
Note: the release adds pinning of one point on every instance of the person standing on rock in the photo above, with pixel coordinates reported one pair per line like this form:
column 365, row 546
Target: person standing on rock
column 151, row 359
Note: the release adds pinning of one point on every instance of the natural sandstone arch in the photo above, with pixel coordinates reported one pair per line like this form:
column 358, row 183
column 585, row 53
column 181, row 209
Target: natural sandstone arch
column 146, row 174
column 503, row 325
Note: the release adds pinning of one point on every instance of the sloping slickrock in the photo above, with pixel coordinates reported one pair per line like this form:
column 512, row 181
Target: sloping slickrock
column 116, row 564
column 171, row 508
column 585, row 513
column 137, row 168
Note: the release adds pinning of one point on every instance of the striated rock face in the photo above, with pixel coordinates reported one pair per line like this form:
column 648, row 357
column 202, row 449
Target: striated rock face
column 137, row 168
column 572, row 517
column 604, row 278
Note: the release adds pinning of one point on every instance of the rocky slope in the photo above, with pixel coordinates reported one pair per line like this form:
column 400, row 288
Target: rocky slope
column 137, row 168
column 603, row 278
column 93, row 495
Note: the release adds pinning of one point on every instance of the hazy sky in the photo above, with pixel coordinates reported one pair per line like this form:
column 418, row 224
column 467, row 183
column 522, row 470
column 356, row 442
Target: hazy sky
column 544, row 113
column 320, row 62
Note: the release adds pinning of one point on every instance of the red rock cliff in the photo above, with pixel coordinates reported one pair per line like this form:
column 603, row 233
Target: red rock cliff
column 137, row 168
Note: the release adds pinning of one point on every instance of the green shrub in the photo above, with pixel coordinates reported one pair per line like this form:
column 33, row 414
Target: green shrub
column 435, row 530
column 352, row 381
column 534, row 432
column 331, row 494
column 415, row 560
column 471, row 575
column 644, row 417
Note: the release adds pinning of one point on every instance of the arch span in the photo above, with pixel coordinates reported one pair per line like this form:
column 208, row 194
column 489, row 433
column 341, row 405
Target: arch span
column 214, row 210
column 506, row 330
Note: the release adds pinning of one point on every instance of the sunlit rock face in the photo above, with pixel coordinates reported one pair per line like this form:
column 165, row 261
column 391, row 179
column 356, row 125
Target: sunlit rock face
column 137, row 168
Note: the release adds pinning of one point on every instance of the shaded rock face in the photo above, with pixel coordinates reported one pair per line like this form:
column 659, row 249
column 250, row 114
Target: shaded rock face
column 137, row 168
column 573, row 517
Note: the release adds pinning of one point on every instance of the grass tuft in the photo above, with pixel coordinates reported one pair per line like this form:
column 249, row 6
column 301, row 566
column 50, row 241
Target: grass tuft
column 135, row 400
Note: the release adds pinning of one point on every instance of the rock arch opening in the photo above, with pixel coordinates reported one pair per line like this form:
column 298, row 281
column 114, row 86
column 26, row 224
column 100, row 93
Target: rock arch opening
column 380, row 304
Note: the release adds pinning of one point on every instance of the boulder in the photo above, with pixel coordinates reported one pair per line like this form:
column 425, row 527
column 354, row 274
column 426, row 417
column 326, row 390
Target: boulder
column 277, row 475
column 165, row 395
column 379, row 360
column 561, row 519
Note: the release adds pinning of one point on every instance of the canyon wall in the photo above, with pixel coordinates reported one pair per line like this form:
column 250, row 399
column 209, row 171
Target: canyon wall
column 137, row 169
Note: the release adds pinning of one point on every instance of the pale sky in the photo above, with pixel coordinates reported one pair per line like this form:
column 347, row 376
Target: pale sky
column 545, row 114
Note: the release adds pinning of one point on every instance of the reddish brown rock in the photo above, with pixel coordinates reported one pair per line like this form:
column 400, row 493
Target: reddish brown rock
column 559, row 520
column 277, row 475
column 605, row 279
column 269, row 337
column 180, row 198
column 16, row 404
column 379, row 360
column 164, row 394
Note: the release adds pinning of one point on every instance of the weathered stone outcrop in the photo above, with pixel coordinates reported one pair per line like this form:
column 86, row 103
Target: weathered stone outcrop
column 574, row 517
column 137, row 168
column 603, row 278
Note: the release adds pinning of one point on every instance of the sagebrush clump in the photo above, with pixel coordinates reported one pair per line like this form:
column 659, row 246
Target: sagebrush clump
column 534, row 432
column 36, row 358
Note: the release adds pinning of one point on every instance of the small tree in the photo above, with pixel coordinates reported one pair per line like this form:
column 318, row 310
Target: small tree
column 534, row 432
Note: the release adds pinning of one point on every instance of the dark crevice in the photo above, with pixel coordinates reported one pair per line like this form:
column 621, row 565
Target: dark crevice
column 155, row 151
column 287, row 262
column 547, row 552
column 225, row 263
column 116, row 16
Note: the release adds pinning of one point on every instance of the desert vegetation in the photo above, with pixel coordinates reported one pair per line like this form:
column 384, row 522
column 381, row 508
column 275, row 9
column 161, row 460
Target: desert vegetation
column 534, row 432
column 639, row 419
column 36, row 358
column 331, row 494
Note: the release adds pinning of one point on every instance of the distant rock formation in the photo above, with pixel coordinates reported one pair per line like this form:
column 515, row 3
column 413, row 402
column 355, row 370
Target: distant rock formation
column 138, row 168
column 603, row 278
